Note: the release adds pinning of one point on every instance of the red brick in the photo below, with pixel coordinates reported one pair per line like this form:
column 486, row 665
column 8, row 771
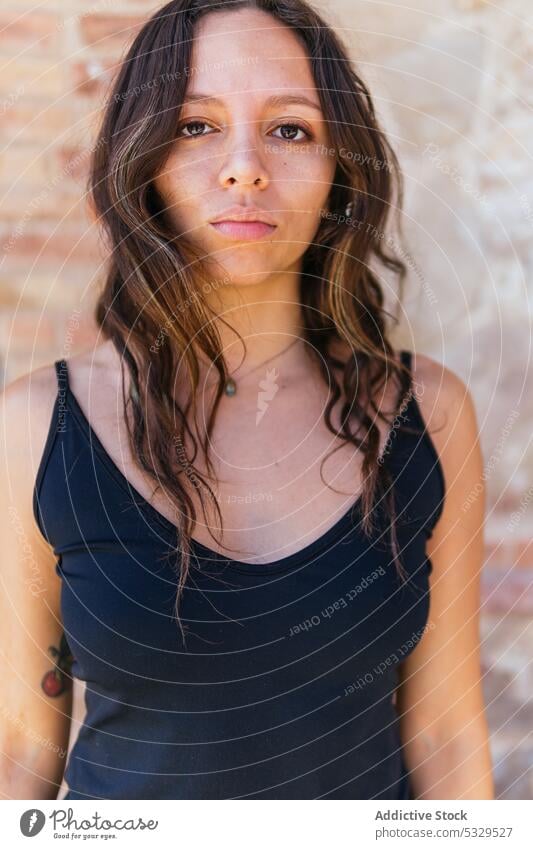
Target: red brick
column 21, row 290
column 27, row 165
column 72, row 161
column 509, row 552
column 38, row 77
column 24, row 330
column 512, row 770
column 32, row 122
column 498, row 553
column 523, row 553
column 23, row 210
column 91, row 77
column 110, row 32
column 20, row 363
column 62, row 246
column 33, row 30
column 503, row 592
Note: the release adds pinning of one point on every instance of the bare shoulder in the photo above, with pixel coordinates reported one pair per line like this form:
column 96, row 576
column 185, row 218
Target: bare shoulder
column 26, row 410
column 91, row 370
column 33, row 387
column 449, row 413
column 445, row 401
column 30, row 398
column 95, row 379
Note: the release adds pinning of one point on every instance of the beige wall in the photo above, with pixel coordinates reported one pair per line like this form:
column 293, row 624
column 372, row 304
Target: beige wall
column 452, row 80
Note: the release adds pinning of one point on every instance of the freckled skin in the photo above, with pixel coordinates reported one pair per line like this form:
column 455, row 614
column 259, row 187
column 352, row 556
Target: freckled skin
column 237, row 153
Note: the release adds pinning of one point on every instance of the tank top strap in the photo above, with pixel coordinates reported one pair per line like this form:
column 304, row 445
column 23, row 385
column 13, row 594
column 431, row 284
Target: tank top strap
column 62, row 376
column 413, row 419
column 407, row 403
column 406, row 360
column 56, row 429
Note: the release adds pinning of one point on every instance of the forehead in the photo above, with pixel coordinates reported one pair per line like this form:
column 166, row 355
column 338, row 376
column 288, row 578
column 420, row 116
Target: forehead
column 248, row 54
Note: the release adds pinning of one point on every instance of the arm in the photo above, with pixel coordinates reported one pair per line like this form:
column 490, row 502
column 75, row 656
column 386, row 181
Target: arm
column 36, row 693
column 440, row 698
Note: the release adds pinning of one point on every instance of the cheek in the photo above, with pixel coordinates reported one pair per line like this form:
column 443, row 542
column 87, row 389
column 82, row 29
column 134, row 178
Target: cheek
column 184, row 188
column 310, row 192
column 306, row 183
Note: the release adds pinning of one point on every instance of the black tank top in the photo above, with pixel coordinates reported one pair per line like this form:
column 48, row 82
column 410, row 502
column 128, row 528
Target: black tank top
column 284, row 687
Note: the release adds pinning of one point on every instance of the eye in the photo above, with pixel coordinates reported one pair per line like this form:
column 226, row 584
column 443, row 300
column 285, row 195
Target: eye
column 196, row 123
column 292, row 127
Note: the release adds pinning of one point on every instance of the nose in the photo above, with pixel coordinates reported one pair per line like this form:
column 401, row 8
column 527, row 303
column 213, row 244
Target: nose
column 242, row 164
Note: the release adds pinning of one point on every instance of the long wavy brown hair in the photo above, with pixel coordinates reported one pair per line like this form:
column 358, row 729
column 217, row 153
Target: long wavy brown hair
column 153, row 272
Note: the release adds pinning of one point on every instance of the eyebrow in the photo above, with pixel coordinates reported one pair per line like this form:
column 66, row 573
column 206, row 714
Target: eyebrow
column 271, row 102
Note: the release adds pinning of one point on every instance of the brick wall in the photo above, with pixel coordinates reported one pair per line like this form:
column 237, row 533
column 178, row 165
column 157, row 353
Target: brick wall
column 453, row 88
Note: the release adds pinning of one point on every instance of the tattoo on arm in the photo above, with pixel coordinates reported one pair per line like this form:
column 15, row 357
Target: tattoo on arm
column 58, row 680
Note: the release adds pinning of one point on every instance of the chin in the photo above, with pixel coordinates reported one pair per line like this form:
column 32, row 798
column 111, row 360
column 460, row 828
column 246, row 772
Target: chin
column 243, row 279
column 242, row 270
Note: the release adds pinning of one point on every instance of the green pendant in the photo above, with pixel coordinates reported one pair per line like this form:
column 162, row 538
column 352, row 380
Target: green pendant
column 230, row 387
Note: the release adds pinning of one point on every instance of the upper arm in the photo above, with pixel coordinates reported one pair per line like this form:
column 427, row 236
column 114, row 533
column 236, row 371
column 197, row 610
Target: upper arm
column 440, row 691
column 34, row 726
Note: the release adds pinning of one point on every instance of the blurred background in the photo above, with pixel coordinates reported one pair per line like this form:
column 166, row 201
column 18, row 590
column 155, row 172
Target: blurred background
column 452, row 81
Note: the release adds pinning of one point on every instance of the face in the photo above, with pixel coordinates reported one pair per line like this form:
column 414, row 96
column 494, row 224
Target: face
column 251, row 147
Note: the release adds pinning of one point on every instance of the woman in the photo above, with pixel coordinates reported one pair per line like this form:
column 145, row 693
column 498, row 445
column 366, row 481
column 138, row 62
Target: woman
column 251, row 503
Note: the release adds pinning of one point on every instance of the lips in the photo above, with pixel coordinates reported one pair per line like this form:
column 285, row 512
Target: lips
column 247, row 214
column 244, row 223
column 244, row 230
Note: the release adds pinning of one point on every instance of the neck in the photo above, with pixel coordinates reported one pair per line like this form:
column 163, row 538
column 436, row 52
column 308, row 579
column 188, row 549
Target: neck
column 266, row 315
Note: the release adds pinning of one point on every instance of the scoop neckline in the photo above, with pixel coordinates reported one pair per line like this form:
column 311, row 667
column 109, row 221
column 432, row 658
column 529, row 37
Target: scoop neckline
column 282, row 564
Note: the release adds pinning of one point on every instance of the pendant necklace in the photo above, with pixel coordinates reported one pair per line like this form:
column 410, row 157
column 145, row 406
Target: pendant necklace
column 230, row 387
